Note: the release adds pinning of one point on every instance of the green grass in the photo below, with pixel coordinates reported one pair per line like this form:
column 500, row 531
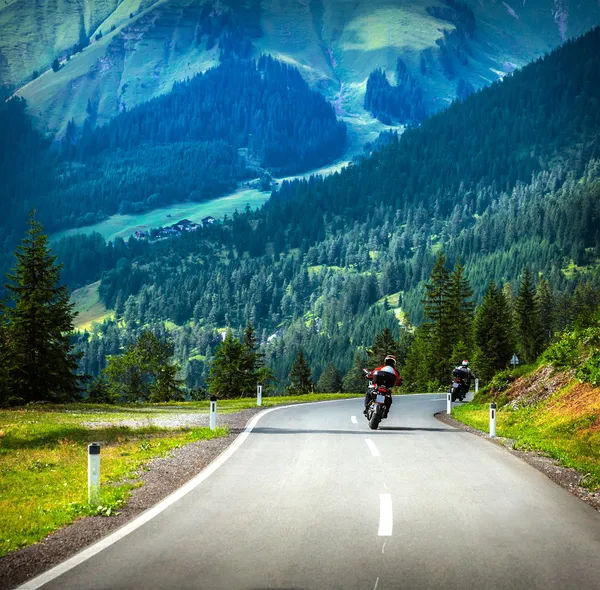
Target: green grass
column 43, row 463
column 43, row 457
column 544, row 427
column 123, row 226
column 89, row 307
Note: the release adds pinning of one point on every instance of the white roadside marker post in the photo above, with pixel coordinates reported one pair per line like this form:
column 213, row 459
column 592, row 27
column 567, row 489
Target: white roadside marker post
column 94, row 473
column 259, row 395
column 213, row 412
column 476, row 385
column 493, row 420
column 449, row 403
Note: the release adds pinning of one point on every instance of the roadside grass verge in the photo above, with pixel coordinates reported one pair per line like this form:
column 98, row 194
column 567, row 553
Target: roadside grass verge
column 43, row 467
column 43, row 457
column 548, row 427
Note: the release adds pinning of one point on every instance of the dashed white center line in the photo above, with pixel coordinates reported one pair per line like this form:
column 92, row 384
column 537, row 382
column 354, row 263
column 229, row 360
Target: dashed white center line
column 376, row 583
column 383, row 548
column 386, row 519
column 372, row 447
column 353, row 418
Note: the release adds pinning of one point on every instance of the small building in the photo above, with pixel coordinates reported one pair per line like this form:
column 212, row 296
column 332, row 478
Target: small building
column 139, row 234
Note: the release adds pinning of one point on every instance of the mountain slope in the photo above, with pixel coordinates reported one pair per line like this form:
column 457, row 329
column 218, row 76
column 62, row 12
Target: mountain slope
column 336, row 44
column 324, row 260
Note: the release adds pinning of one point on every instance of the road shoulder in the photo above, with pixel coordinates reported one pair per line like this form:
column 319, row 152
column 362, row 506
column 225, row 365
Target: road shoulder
column 567, row 478
column 161, row 477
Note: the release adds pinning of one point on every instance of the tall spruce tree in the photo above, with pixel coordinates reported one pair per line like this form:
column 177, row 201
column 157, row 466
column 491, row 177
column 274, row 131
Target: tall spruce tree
column 460, row 309
column 527, row 319
column 439, row 325
column 5, row 359
column 547, row 310
column 253, row 361
column 493, row 333
column 40, row 323
column 300, row 376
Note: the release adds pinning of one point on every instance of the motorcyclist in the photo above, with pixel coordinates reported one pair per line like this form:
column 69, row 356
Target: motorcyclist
column 464, row 373
column 389, row 366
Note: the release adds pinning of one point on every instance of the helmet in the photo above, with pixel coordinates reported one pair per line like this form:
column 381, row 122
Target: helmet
column 465, row 363
column 390, row 359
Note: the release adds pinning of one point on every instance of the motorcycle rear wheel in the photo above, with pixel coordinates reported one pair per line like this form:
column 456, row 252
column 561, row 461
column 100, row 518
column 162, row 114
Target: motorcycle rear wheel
column 375, row 417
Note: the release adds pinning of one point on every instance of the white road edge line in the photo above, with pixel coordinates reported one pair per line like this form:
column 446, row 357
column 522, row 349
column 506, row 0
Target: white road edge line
column 353, row 419
column 372, row 447
column 386, row 519
column 111, row 539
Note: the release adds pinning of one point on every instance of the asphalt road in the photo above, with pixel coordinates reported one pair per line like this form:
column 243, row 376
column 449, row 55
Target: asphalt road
column 314, row 499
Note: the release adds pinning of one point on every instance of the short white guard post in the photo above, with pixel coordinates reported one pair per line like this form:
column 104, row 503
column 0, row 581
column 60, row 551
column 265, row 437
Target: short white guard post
column 259, row 395
column 449, row 404
column 94, row 473
column 493, row 420
column 476, row 385
column 213, row 412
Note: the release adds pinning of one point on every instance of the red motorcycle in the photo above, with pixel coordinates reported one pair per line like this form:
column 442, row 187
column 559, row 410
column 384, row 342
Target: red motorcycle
column 380, row 389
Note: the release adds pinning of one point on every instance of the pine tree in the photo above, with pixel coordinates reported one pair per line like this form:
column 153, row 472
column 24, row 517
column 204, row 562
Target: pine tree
column 330, row 381
column 100, row 393
column 145, row 372
column 228, row 375
column 527, row 319
column 417, row 371
column 253, row 361
column 547, row 310
column 460, row 308
column 440, row 326
column 300, row 376
column 354, row 380
column 493, row 333
column 5, row 359
column 384, row 344
column 40, row 324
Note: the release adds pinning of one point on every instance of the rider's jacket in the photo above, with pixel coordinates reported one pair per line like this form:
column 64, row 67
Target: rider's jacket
column 387, row 369
column 464, row 373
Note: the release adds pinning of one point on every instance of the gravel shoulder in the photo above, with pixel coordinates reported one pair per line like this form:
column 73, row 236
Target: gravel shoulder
column 568, row 478
column 164, row 476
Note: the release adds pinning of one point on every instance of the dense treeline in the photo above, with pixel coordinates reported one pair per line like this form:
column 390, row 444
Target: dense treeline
column 402, row 103
column 266, row 107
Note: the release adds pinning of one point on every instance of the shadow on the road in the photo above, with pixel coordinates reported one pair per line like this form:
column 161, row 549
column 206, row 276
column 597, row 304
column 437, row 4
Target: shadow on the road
column 362, row 432
column 268, row 430
column 409, row 428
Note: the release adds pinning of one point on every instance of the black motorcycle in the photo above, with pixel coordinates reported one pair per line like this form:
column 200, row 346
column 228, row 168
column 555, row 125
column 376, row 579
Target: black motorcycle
column 380, row 390
column 458, row 389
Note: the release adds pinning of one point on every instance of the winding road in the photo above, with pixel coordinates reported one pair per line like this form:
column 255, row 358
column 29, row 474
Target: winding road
column 311, row 498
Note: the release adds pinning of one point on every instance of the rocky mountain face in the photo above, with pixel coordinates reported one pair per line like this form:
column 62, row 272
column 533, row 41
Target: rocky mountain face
column 139, row 48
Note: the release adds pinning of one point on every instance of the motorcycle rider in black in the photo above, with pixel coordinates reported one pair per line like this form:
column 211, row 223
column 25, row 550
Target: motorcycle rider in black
column 465, row 374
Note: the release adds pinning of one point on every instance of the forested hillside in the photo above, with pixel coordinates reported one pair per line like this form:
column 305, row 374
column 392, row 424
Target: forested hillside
column 194, row 144
column 506, row 179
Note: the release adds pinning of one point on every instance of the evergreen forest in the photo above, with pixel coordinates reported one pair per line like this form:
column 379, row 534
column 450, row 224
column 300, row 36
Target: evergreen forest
column 476, row 231
column 196, row 143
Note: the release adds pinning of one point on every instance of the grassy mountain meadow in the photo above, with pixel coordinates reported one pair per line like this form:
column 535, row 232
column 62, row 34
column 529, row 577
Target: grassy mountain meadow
column 145, row 46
